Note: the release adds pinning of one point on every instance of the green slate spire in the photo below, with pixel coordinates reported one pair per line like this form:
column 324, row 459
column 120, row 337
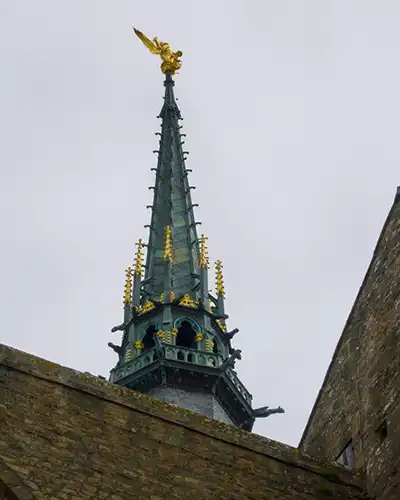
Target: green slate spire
column 175, row 343
column 172, row 206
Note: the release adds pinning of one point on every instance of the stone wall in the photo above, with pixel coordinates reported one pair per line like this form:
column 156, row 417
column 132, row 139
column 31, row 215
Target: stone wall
column 359, row 399
column 69, row 435
column 198, row 402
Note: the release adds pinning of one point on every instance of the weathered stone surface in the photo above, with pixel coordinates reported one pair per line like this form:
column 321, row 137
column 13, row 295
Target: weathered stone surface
column 198, row 402
column 362, row 387
column 71, row 435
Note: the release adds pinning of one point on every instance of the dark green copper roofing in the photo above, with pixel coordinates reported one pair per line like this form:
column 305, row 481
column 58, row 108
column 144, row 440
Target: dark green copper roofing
column 178, row 340
column 172, row 205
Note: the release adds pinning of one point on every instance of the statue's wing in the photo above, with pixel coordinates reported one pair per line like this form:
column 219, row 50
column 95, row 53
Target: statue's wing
column 146, row 41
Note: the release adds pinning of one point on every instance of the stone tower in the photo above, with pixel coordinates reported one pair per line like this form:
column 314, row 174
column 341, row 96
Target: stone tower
column 176, row 345
column 356, row 417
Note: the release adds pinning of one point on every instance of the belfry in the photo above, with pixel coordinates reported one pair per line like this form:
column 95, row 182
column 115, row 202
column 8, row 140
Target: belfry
column 176, row 345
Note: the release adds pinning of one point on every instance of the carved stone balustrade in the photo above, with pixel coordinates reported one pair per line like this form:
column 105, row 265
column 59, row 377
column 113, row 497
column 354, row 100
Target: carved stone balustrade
column 175, row 353
column 239, row 386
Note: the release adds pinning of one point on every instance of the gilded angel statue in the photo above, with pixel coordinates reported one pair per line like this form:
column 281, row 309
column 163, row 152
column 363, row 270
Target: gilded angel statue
column 170, row 60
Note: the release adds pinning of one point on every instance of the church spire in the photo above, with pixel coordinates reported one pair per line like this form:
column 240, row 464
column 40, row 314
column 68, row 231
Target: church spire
column 175, row 344
column 172, row 207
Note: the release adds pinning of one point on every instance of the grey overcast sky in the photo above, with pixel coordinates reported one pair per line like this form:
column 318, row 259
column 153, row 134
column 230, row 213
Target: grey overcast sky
column 292, row 115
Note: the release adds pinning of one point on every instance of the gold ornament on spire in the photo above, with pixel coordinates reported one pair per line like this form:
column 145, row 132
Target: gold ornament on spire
column 128, row 286
column 139, row 259
column 219, row 279
column 170, row 60
column 187, row 301
column 204, row 262
column 168, row 243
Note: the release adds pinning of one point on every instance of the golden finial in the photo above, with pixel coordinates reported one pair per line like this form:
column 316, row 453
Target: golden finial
column 204, row 262
column 168, row 244
column 170, row 60
column 128, row 286
column 139, row 259
column 219, row 279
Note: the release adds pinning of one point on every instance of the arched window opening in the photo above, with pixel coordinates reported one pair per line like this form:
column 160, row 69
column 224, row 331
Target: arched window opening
column 186, row 335
column 181, row 357
column 215, row 348
column 148, row 339
column 191, row 358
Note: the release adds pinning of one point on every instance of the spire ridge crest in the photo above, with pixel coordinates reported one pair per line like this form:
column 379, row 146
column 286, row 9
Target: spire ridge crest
column 168, row 244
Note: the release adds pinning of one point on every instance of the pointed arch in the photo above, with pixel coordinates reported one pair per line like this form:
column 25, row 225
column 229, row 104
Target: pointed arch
column 186, row 335
column 187, row 330
column 147, row 334
column 178, row 322
column 148, row 338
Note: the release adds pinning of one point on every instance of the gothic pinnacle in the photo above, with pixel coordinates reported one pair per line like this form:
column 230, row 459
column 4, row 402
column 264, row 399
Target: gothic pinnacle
column 204, row 262
column 128, row 287
column 219, row 279
column 139, row 259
